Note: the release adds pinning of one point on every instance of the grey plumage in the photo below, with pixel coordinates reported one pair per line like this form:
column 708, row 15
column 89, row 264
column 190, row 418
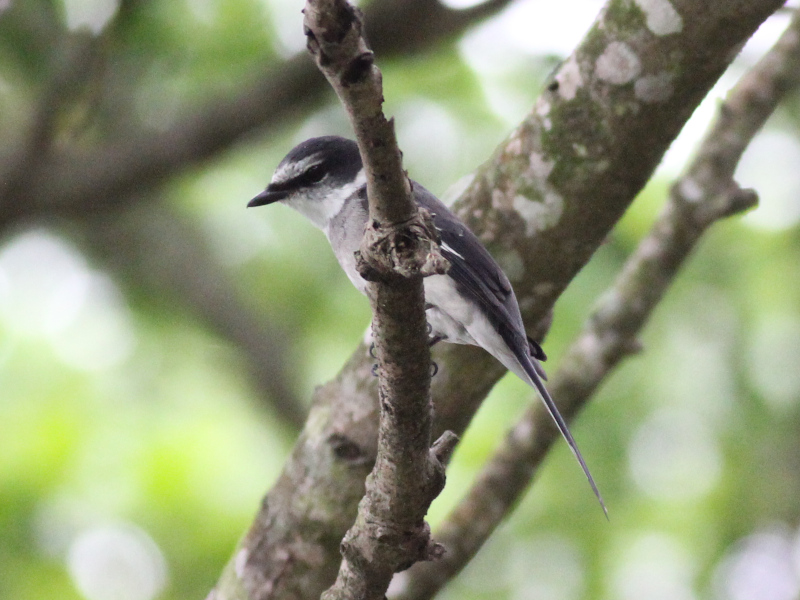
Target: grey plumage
column 474, row 303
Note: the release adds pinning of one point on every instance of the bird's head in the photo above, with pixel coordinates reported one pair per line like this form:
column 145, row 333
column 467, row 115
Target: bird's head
column 316, row 178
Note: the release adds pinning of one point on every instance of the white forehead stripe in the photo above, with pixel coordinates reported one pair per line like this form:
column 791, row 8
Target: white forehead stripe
column 289, row 170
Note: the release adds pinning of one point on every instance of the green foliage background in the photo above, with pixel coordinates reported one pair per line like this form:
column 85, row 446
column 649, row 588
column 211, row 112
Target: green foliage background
column 122, row 411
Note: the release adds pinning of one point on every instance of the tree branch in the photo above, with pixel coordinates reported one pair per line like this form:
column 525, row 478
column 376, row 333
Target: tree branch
column 390, row 532
column 74, row 180
column 605, row 134
column 705, row 194
column 68, row 74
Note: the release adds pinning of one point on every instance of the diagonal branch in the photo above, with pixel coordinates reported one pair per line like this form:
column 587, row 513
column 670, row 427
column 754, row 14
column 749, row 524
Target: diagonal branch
column 75, row 180
column 705, row 194
column 68, row 74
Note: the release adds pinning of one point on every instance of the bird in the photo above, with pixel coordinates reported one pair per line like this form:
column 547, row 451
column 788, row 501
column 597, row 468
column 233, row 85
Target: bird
column 323, row 179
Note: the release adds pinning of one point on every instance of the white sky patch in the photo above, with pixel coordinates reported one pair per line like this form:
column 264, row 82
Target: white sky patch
column 618, row 64
column 769, row 165
column 287, row 27
column 93, row 15
column 101, row 335
column 661, row 16
column 46, row 283
column 532, row 27
column 499, row 46
column 535, row 28
column 685, row 144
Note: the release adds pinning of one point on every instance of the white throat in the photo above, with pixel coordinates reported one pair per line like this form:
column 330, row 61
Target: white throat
column 321, row 205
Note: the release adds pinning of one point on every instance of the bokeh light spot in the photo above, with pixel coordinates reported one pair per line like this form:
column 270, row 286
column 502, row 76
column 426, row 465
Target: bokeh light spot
column 656, row 567
column 117, row 562
column 774, row 355
column 760, row 567
column 93, row 15
column 769, row 165
column 674, row 456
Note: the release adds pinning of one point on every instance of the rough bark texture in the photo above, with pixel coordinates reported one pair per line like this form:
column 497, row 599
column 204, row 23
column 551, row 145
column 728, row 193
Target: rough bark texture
column 597, row 133
column 544, row 203
column 390, row 532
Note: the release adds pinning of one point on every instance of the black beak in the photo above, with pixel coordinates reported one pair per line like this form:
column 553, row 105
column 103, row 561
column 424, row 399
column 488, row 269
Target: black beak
column 268, row 196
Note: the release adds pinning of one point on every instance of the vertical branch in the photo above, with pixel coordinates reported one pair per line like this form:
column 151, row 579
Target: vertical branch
column 398, row 249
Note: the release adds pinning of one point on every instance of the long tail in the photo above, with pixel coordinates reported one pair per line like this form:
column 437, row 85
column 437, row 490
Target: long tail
column 533, row 375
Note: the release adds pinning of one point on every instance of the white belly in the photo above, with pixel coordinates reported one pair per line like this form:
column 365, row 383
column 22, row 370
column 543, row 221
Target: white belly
column 450, row 318
column 460, row 322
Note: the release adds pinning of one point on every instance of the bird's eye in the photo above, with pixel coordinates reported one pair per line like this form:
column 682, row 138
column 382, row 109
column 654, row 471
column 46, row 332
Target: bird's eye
column 314, row 174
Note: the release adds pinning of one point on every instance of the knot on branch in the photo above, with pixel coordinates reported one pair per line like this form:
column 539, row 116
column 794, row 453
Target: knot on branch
column 389, row 537
column 405, row 250
column 708, row 193
column 328, row 23
column 439, row 456
column 725, row 200
column 348, row 450
column 334, row 33
column 393, row 548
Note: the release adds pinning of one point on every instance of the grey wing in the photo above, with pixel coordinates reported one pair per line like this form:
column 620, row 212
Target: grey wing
column 477, row 275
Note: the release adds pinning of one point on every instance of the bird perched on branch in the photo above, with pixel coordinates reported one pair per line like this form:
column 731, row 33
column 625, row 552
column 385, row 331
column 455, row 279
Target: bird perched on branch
column 324, row 180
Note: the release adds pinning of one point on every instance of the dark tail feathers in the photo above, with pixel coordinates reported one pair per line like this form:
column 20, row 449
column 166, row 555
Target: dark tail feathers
column 534, row 375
